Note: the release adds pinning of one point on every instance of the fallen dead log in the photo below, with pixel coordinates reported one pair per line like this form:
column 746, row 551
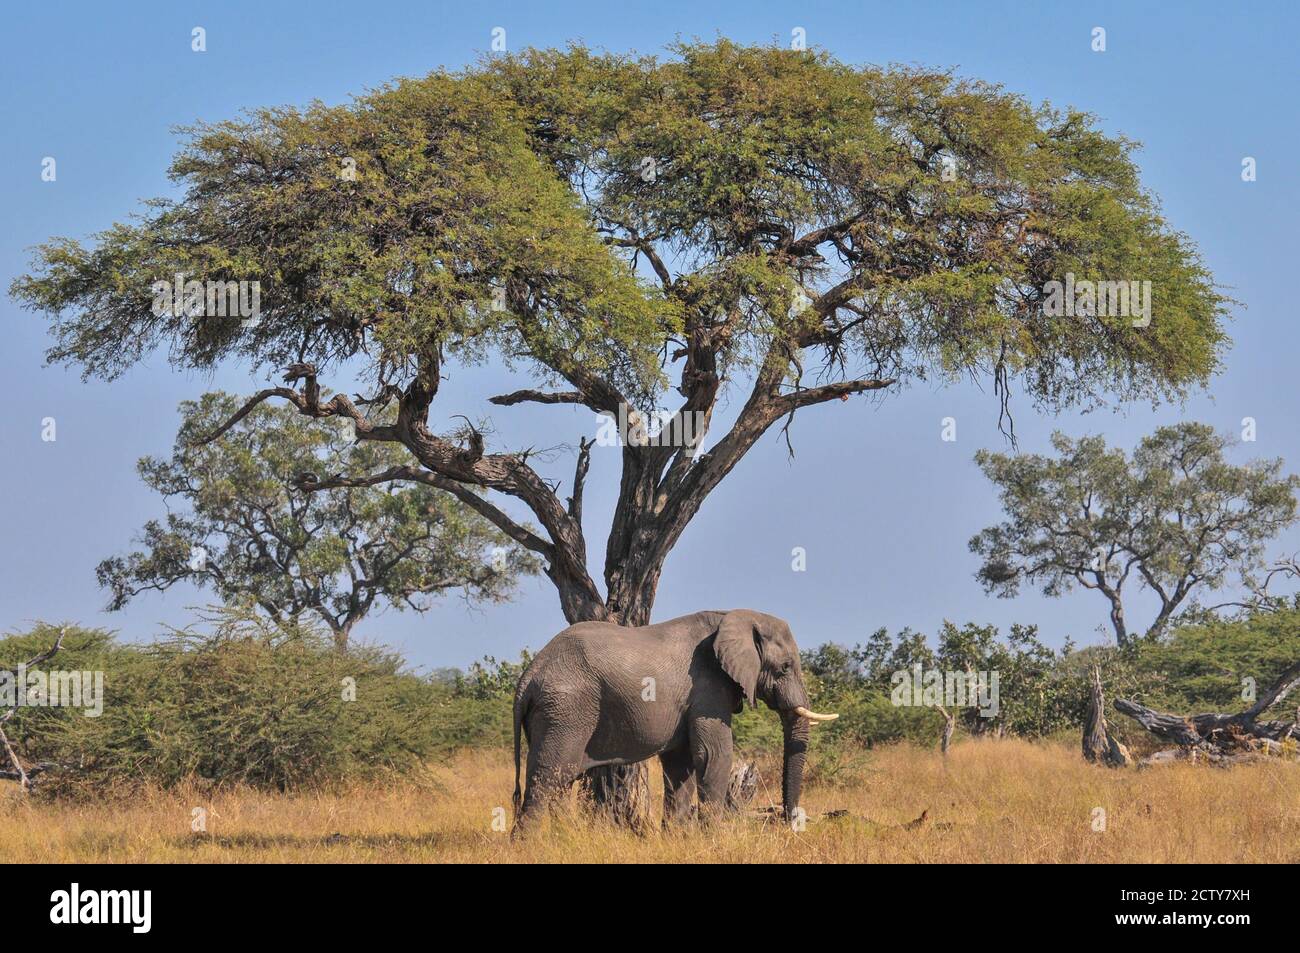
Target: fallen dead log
column 32, row 771
column 1168, row 756
column 1210, row 730
column 1202, row 756
column 1221, row 738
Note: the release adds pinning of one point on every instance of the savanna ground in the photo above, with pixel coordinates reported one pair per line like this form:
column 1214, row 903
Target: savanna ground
column 993, row 801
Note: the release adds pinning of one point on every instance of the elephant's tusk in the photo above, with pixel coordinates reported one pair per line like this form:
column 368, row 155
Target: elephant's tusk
column 812, row 715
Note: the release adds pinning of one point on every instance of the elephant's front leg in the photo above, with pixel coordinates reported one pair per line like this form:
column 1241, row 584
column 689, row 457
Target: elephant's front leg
column 711, row 758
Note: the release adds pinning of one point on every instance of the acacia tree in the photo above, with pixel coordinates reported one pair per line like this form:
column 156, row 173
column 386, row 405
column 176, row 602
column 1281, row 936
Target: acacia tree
column 637, row 232
column 245, row 531
column 1177, row 518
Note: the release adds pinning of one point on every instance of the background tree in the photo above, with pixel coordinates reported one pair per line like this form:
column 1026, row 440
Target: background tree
column 248, row 534
column 1176, row 519
column 1039, row 690
column 632, row 232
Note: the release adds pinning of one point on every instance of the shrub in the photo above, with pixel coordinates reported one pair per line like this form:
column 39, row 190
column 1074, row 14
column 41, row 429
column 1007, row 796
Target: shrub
column 490, row 679
column 248, row 702
column 1201, row 667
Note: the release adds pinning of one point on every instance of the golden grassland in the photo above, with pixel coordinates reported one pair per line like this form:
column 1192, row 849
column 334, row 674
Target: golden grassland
column 992, row 801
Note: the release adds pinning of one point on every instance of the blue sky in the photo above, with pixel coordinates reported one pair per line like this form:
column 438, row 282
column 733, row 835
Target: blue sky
column 881, row 504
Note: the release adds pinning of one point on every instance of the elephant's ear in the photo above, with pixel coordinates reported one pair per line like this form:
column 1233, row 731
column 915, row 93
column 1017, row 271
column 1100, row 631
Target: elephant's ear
column 737, row 650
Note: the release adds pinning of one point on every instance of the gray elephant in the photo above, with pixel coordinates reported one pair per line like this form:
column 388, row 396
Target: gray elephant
column 601, row 694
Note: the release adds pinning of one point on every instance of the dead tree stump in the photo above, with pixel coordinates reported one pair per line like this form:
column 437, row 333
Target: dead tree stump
column 949, row 726
column 1099, row 745
column 743, row 785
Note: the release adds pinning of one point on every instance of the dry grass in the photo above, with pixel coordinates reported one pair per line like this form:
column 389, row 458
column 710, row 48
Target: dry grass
column 1005, row 801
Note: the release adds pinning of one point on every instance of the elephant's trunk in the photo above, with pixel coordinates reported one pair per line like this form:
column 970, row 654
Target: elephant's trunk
column 795, row 729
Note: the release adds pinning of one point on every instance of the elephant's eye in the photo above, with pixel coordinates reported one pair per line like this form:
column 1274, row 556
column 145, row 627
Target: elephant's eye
column 785, row 669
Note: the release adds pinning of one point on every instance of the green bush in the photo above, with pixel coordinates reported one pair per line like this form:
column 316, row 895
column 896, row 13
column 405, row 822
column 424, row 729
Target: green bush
column 270, row 707
column 1200, row 667
column 464, row 721
column 491, row 679
column 1194, row 667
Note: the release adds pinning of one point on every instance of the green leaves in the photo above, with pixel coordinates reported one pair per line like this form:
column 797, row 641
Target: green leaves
column 945, row 205
column 1177, row 517
column 249, row 703
column 1036, row 695
column 514, row 207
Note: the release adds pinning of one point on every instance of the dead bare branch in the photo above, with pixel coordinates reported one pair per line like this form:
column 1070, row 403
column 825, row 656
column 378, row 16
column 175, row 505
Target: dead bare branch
column 19, row 773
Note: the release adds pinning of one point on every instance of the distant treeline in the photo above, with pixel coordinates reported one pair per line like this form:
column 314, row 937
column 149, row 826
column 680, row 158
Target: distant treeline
column 279, row 708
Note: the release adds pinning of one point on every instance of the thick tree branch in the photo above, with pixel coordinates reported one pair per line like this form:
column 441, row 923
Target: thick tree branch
column 310, row 483
column 840, row 389
column 538, row 397
column 644, row 247
column 579, row 478
column 308, row 404
column 807, row 244
column 1287, row 681
column 454, row 465
column 597, row 393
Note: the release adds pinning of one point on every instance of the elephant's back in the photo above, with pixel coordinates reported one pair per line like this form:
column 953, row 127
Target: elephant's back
column 594, row 641
column 617, row 656
column 605, row 652
column 609, row 641
column 570, row 650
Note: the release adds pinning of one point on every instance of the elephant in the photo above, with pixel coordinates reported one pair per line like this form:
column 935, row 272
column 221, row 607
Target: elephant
column 604, row 694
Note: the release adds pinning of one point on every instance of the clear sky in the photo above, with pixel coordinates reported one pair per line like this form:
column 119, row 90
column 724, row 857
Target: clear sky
column 881, row 504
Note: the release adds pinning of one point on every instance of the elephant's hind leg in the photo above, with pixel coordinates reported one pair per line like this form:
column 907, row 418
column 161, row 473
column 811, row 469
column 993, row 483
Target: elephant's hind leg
column 554, row 763
column 679, row 785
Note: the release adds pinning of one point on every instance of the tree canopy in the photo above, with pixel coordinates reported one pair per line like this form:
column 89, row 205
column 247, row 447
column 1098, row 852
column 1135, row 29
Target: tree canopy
column 1177, row 518
column 638, row 232
column 244, row 530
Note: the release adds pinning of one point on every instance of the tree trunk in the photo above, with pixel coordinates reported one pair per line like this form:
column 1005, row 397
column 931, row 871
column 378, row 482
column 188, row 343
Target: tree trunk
column 621, row 793
column 1117, row 620
column 1099, row 745
column 949, row 726
column 341, row 635
column 743, row 785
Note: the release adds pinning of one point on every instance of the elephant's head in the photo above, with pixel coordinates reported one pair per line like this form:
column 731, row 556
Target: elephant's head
column 759, row 653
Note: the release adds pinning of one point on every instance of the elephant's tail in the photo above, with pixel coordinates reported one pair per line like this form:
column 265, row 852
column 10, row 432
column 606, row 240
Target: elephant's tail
column 521, row 708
